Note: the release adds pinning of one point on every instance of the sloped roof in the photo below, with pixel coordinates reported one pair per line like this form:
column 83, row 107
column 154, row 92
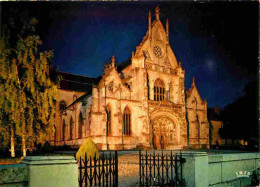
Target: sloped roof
column 81, row 98
column 124, row 65
column 79, row 83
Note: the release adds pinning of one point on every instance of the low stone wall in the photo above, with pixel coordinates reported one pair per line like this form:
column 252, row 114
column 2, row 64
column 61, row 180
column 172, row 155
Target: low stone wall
column 227, row 168
column 41, row 171
column 218, row 170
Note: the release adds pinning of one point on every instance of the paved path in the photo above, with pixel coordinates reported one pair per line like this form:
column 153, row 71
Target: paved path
column 128, row 169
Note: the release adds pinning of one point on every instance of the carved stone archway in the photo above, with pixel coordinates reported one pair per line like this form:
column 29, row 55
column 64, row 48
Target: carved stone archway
column 166, row 133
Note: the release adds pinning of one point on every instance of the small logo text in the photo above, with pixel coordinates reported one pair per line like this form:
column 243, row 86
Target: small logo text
column 243, row 174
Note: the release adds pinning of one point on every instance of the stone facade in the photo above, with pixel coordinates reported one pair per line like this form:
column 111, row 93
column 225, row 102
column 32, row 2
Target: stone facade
column 140, row 104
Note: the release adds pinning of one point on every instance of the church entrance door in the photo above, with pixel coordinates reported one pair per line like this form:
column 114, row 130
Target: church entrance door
column 164, row 133
column 162, row 142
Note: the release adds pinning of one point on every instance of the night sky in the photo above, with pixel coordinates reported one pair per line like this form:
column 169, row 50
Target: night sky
column 217, row 43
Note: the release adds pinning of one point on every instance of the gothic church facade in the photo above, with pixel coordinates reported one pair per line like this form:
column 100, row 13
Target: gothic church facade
column 139, row 104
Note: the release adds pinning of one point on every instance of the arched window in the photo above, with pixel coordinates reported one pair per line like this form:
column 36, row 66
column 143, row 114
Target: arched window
column 159, row 90
column 55, row 133
column 108, row 127
column 80, row 126
column 62, row 105
column 127, row 121
column 148, row 88
column 63, row 130
column 71, row 127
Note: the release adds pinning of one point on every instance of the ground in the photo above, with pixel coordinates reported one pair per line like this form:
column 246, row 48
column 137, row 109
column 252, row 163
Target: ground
column 128, row 169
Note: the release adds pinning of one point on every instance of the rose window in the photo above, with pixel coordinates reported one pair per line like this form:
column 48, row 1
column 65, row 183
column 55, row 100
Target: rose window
column 110, row 87
column 157, row 51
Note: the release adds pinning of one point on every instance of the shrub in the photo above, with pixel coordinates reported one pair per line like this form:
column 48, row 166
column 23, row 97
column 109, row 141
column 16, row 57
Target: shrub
column 89, row 148
column 47, row 147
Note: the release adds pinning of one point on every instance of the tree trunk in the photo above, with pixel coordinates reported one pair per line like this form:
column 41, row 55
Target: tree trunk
column 23, row 142
column 12, row 141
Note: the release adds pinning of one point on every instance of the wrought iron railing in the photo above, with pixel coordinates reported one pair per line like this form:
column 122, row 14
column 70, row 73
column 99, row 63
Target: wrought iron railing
column 102, row 171
column 160, row 169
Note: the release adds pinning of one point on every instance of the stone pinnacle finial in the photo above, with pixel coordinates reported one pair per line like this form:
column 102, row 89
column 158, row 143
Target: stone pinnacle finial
column 113, row 60
column 149, row 24
column 157, row 13
column 167, row 28
column 193, row 80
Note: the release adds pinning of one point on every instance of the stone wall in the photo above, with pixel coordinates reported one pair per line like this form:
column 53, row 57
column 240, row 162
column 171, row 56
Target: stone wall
column 40, row 171
column 217, row 170
column 224, row 168
column 14, row 175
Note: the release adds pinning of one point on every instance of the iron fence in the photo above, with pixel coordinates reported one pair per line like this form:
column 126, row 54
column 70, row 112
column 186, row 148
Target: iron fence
column 160, row 169
column 102, row 171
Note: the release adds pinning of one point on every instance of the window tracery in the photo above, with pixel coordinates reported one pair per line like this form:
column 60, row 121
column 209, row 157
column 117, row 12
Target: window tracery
column 157, row 51
column 110, row 87
column 159, row 90
column 80, row 126
column 71, row 127
column 127, row 121
column 108, row 123
column 62, row 105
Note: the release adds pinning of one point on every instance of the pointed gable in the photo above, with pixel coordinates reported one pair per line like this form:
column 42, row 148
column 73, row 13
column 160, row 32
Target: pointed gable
column 156, row 44
column 194, row 93
column 111, row 78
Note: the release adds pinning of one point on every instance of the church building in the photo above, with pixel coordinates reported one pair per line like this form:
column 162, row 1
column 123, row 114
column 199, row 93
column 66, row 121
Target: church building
column 139, row 104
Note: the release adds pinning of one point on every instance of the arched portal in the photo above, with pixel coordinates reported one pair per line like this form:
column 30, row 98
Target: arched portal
column 166, row 133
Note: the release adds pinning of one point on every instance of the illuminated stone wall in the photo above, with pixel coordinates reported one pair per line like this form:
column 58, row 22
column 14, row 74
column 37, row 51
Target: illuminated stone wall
column 216, row 125
column 197, row 119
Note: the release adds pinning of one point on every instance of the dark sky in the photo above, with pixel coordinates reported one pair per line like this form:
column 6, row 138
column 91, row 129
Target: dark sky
column 217, row 43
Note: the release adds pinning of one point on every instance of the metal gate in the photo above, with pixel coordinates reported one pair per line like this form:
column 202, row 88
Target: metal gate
column 102, row 171
column 161, row 169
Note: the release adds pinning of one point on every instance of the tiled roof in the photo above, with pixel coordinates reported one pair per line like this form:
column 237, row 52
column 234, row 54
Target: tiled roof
column 124, row 65
column 77, row 82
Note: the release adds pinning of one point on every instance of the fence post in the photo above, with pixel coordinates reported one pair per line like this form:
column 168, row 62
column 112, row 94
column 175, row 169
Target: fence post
column 86, row 169
column 80, row 173
column 58, row 171
column 116, row 177
column 140, row 167
column 195, row 169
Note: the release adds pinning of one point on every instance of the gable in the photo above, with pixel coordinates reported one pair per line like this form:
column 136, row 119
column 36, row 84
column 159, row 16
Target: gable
column 113, row 82
column 193, row 93
column 155, row 47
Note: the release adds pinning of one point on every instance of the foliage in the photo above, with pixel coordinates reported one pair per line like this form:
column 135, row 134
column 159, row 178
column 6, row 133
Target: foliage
column 89, row 148
column 47, row 147
column 255, row 177
column 240, row 118
column 28, row 88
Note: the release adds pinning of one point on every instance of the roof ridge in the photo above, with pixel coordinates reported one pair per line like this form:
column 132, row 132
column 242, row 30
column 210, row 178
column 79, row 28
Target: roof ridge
column 77, row 74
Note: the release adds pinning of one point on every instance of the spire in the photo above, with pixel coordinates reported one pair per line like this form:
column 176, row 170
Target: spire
column 167, row 29
column 157, row 13
column 113, row 60
column 149, row 23
column 193, row 81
